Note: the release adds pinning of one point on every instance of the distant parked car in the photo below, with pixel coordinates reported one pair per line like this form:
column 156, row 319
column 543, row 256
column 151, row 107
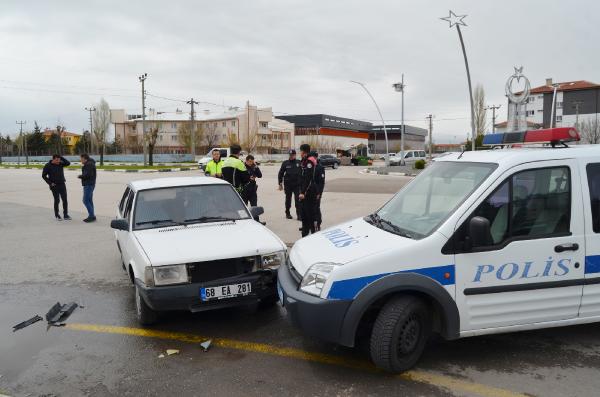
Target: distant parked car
column 391, row 155
column 410, row 156
column 329, row 160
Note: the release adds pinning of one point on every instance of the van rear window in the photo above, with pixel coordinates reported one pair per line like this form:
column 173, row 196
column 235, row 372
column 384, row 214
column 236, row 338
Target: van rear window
column 593, row 174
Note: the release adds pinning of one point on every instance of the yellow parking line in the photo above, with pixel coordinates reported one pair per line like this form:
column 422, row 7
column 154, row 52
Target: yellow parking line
column 298, row 354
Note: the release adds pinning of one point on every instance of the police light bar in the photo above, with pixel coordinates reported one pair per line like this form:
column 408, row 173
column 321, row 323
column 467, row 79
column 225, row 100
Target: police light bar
column 552, row 136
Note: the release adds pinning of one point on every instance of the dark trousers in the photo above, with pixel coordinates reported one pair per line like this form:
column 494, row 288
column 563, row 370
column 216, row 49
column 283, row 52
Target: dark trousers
column 251, row 197
column 60, row 193
column 318, row 217
column 308, row 214
column 289, row 190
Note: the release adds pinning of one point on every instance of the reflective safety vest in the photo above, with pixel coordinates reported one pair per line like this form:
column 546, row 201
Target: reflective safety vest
column 235, row 172
column 213, row 168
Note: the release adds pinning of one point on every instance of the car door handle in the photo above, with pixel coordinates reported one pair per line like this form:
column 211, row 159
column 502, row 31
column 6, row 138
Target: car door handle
column 566, row 247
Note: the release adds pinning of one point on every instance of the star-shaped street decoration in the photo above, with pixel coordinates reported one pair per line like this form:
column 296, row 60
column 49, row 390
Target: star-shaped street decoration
column 454, row 19
column 518, row 73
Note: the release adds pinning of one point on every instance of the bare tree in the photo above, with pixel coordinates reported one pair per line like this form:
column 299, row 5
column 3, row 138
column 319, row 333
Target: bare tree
column 211, row 136
column 480, row 111
column 232, row 139
column 151, row 137
column 251, row 141
column 589, row 130
column 184, row 134
column 56, row 141
column 101, row 123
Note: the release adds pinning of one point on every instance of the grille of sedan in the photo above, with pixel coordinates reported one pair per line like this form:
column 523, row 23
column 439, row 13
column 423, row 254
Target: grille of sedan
column 200, row 272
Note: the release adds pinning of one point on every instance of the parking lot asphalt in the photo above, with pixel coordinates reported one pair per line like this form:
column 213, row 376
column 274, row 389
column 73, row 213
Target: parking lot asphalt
column 255, row 351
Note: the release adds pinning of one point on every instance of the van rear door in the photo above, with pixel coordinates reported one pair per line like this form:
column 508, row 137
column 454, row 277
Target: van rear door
column 590, row 304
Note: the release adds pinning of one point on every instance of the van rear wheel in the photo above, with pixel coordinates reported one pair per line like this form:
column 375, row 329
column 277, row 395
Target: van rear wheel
column 400, row 333
column 145, row 314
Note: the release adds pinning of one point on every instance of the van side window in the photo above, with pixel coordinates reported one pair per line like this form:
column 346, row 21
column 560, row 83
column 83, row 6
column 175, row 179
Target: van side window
column 530, row 204
column 123, row 200
column 593, row 174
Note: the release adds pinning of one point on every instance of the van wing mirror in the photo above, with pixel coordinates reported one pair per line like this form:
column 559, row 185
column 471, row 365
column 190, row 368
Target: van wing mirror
column 120, row 224
column 479, row 232
column 256, row 212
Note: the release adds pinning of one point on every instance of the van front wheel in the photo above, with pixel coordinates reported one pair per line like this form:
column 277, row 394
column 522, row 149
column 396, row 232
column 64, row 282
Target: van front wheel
column 400, row 334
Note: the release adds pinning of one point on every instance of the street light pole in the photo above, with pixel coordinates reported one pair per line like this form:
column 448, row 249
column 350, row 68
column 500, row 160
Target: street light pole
column 142, row 79
column 552, row 115
column 387, row 148
column 457, row 20
column 191, row 102
column 399, row 87
column 23, row 142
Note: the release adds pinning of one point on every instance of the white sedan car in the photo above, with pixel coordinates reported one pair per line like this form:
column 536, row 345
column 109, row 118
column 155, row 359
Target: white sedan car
column 190, row 243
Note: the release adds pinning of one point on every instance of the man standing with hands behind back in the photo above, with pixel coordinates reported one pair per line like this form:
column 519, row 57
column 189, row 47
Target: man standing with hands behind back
column 88, row 181
column 289, row 180
column 54, row 175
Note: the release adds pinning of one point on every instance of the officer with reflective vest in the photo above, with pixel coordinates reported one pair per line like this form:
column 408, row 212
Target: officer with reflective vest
column 289, row 181
column 233, row 169
column 214, row 166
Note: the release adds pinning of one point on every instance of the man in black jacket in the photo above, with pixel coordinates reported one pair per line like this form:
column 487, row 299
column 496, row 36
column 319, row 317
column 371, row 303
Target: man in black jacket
column 289, row 180
column 320, row 180
column 310, row 180
column 88, row 181
column 54, row 175
column 249, row 192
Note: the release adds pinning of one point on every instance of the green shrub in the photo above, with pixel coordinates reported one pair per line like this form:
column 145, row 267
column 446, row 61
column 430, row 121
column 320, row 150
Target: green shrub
column 419, row 164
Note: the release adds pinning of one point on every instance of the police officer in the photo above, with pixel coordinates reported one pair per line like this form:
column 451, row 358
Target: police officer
column 250, row 189
column 320, row 181
column 289, row 179
column 214, row 166
column 233, row 169
column 309, row 189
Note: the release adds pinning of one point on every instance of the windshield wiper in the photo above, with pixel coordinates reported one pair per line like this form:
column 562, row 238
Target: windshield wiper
column 395, row 229
column 155, row 222
column 209, row 219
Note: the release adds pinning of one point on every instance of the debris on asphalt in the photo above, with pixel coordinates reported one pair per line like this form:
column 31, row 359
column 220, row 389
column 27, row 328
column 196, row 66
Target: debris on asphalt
column 205, row 345
column 161, row 356
column 27, row 323
column 172, row 351
column 59, row 313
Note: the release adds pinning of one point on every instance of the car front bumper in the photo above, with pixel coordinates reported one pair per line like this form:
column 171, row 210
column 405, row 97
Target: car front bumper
column 187, row 296
column 322, row 318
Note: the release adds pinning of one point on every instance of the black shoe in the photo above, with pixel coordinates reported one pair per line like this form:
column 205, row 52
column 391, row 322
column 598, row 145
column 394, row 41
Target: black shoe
column 299, row 219
column 90, row 219
column 67, row 218
column 288, row 215
column 263, row 223
column 300, row 229
column 317, row 228
column 58, row 218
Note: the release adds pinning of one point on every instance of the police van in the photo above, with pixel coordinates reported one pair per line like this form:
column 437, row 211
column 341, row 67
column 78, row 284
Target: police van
column 479, row 243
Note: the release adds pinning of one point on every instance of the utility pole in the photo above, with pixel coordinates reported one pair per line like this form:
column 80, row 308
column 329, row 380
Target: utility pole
column 142, row 79
column 91, row 109
column 23, row 146
column 399, row 87
column 576, row 105
column 191, row 102
column 493, row 108
column 430, row 117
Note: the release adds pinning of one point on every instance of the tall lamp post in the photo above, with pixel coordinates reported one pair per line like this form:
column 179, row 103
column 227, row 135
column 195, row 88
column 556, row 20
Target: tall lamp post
column 387, row 148
column 399, row 87
column 457, row 20
column 143, row 78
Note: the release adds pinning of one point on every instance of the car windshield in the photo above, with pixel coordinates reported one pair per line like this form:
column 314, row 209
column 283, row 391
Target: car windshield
column 184, row 205
column 419, row 208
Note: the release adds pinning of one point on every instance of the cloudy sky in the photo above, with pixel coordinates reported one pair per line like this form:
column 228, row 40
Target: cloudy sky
column 294, row 55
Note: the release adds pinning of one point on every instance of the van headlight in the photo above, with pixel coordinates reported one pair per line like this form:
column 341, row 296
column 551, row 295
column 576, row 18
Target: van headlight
column 174, row 274
column 315, row 278
column 273, row 260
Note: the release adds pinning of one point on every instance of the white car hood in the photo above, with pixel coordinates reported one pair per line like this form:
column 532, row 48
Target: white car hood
column 207, row 241
column 344, row 243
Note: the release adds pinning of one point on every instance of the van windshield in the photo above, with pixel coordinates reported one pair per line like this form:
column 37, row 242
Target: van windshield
column 184, row 205
column 419, row 208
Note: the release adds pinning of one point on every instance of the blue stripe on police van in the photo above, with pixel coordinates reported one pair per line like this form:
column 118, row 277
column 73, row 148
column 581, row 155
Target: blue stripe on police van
column 592, row 264
column 348, row 289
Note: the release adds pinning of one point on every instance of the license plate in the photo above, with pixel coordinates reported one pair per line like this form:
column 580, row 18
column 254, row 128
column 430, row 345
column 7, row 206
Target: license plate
column 225, row 291
column 280, row 293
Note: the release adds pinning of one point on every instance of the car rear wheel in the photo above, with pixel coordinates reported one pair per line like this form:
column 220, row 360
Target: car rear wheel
column 400, row 333
column 145, row 315
column 335, row 166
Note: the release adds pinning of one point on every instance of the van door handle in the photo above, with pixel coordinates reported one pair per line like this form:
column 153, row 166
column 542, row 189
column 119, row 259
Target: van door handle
column 566, row 247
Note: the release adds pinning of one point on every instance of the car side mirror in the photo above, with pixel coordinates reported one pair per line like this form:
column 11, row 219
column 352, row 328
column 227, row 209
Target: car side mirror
column 120, row 224
column 479, row 232
column 256, row 212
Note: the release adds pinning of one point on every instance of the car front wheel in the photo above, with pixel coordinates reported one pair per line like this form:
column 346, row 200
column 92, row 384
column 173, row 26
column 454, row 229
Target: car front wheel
column 145, row 315
column 400, row 333
column 335, row 165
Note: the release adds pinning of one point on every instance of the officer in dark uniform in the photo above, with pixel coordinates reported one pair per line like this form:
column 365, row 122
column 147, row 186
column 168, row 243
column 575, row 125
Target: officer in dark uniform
column 309, row 189
column 320, row 170
column 249, row 192
column 289, row 180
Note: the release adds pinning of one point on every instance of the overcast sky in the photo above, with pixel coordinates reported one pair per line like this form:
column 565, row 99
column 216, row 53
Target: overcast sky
column 296, row 56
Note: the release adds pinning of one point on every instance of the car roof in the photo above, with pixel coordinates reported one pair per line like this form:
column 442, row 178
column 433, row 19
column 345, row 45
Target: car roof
column 515, row 156
column 156, row 183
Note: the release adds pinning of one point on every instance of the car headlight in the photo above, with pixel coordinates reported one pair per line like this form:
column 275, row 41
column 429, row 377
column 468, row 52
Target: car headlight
column 174, row 274
column 273, row 260
column 315, row 278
